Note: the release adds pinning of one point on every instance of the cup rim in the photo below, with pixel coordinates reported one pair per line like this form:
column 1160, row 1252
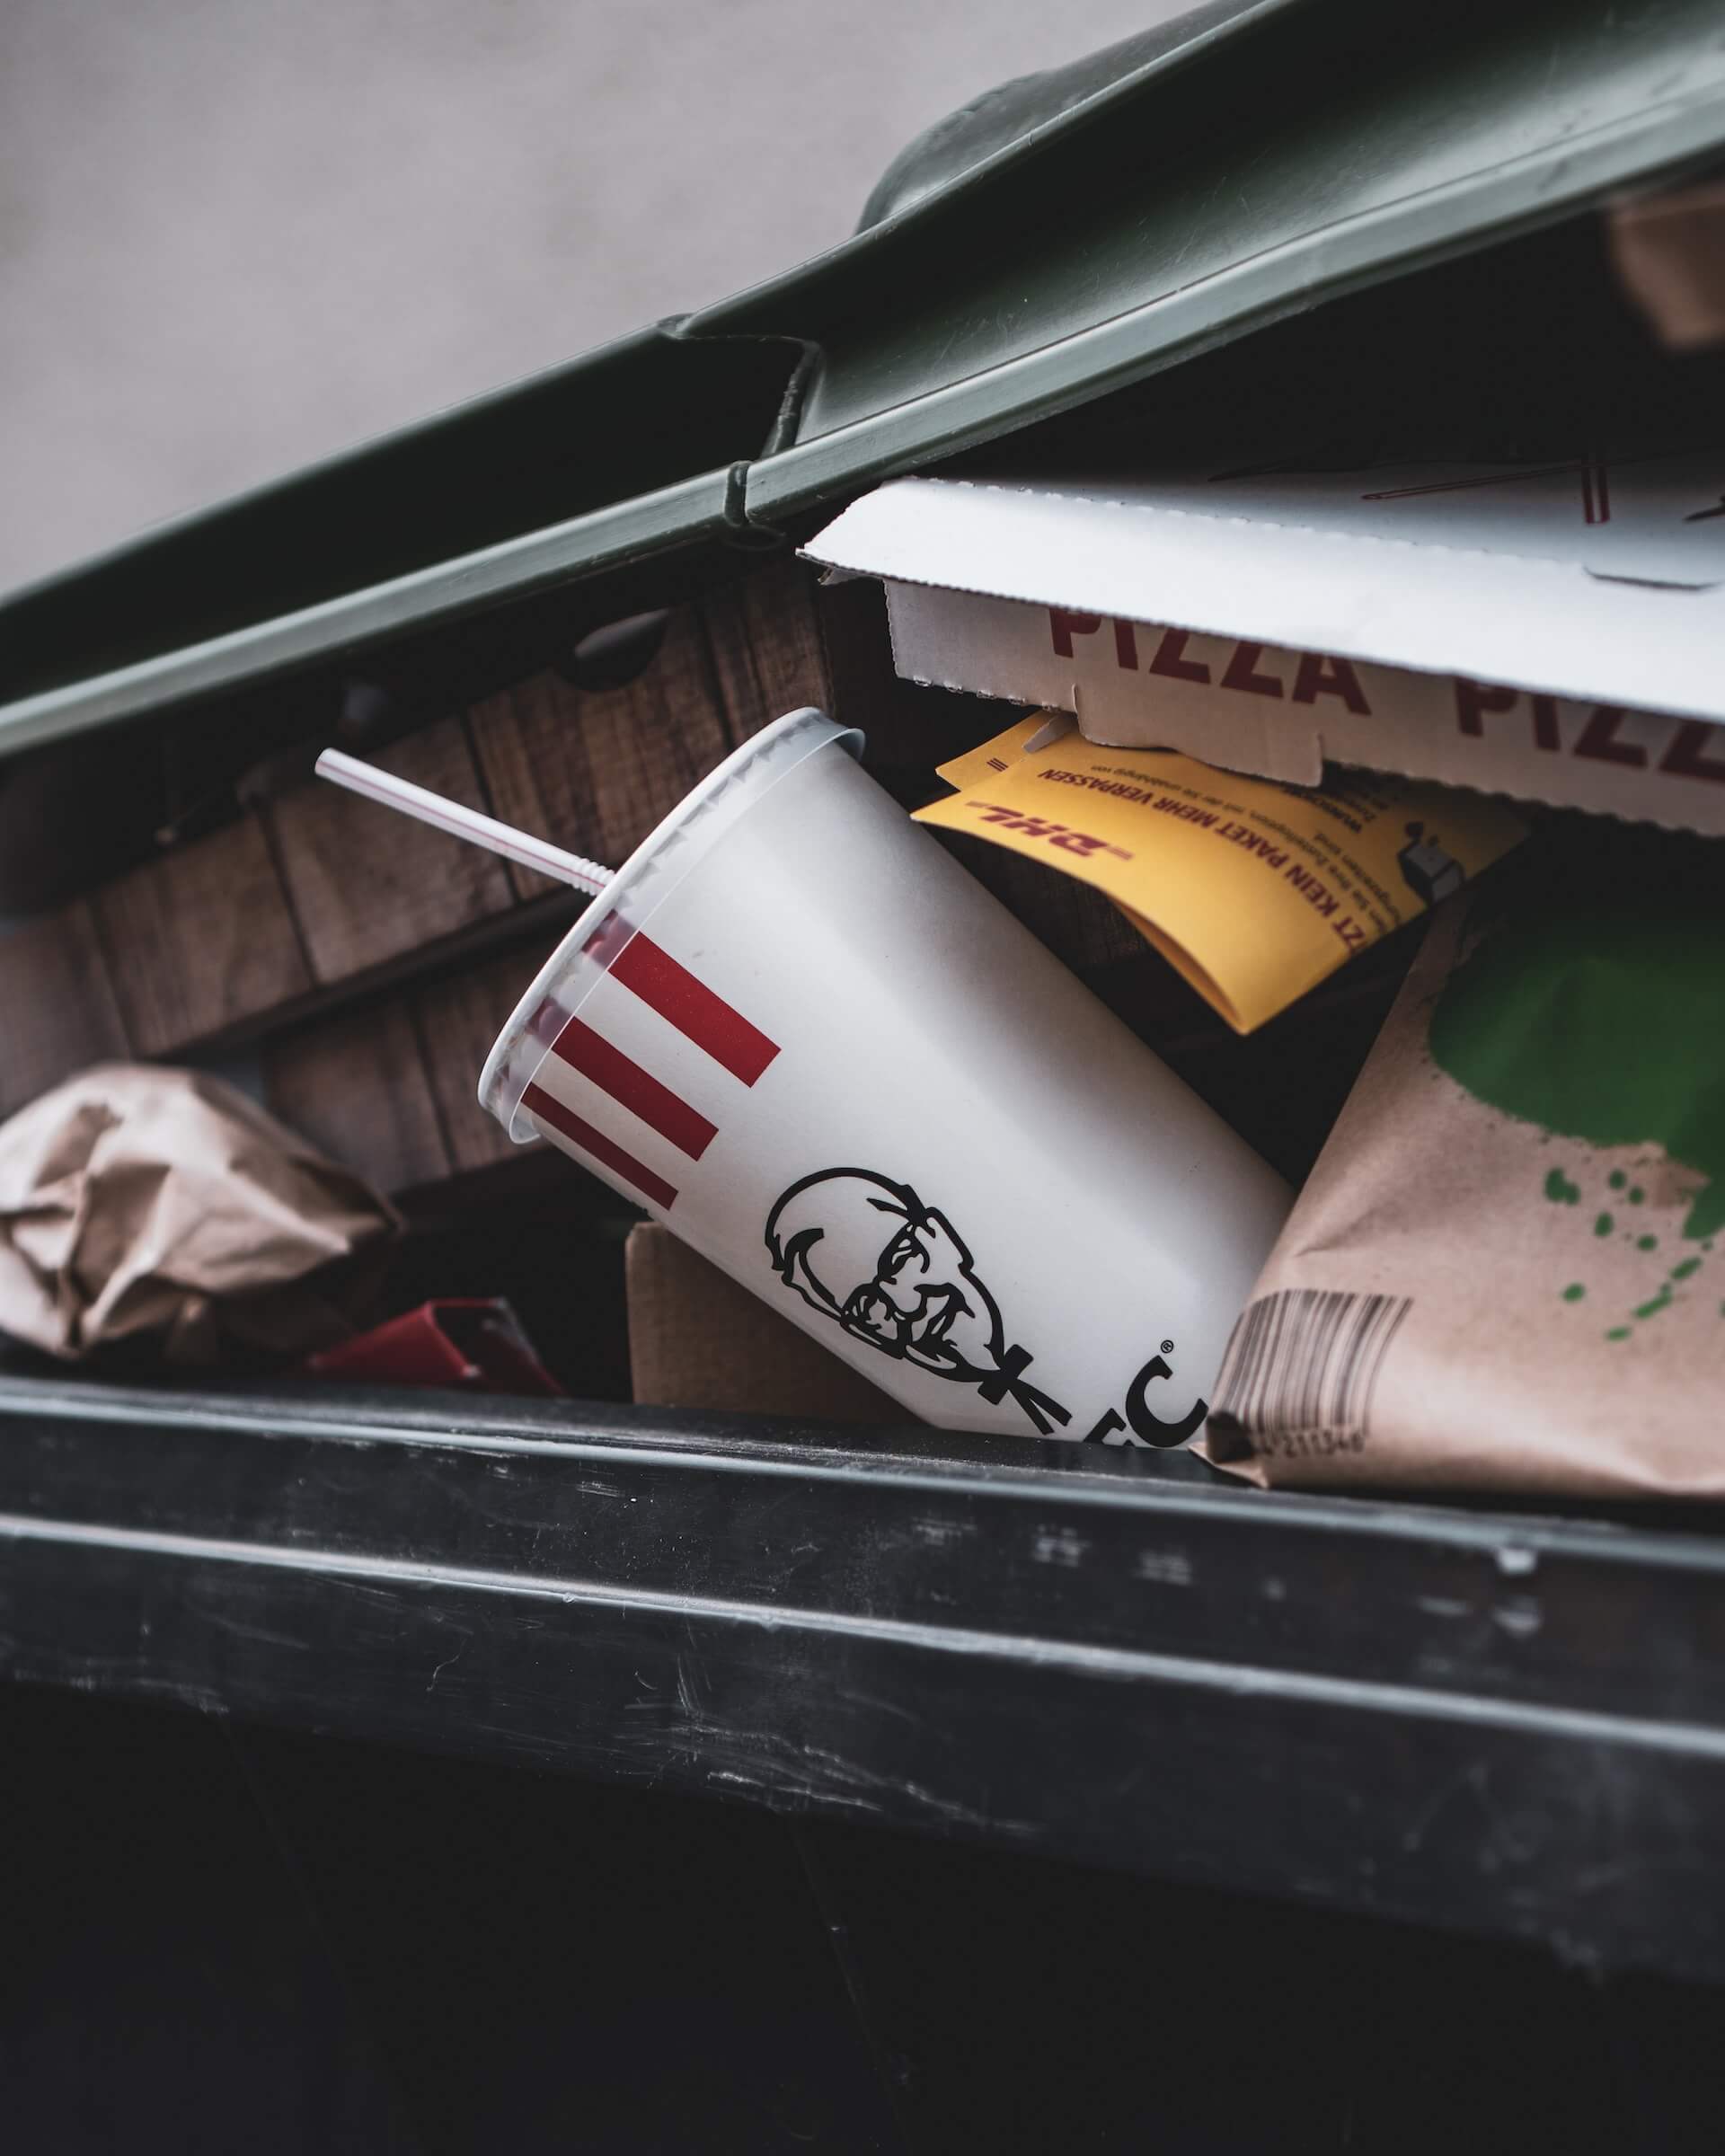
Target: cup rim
column 676, row 844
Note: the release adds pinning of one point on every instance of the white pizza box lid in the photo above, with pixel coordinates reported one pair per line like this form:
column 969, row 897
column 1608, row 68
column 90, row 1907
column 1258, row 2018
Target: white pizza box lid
column 1585, row 586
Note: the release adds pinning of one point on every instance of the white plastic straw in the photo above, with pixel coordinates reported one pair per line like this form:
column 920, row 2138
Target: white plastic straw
column 462, row 822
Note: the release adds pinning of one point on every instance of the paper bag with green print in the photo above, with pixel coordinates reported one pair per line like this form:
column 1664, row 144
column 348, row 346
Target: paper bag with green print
column 1508, row 1270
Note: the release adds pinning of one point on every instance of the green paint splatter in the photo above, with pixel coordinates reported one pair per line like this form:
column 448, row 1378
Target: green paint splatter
column 1683, row 1271
column 1574, row 1292
column 1655, row 1305
column 1603, row 1224
column 1560, row 1190
column 1618, row 1333
column 1646, row 1242
column 1599, row 1018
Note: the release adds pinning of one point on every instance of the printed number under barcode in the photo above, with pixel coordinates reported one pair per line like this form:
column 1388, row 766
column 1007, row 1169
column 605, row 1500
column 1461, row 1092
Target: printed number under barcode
column 1301, row 1365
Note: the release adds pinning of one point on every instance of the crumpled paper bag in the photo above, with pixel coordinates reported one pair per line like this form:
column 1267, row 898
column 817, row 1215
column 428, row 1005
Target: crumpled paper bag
column 162, row 1209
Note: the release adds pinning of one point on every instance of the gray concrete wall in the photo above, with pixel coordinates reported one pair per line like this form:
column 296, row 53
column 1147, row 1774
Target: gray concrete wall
column 235, row 234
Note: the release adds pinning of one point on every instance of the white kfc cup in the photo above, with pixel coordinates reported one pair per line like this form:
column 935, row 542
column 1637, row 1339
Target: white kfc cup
column 796, row 1031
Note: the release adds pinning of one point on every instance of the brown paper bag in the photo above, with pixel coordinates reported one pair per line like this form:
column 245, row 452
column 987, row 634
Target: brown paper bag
column 138, row 1203
column 1508, row 1270
column 1669, row 251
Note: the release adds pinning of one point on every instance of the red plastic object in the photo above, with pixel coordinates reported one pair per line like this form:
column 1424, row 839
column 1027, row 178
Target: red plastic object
column 471, row 1341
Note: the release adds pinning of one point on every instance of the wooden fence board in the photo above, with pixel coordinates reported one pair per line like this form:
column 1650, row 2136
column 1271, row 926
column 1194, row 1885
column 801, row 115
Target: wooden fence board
column 356, row 1084
column 767, row 647
column 594, row 771
column 199, row 939
column 58, row 1011
column 365, row 884
column 458, row 1018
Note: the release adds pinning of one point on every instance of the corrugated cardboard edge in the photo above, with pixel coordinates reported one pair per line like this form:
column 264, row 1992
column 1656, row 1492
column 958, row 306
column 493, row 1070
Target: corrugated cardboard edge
column 697, row 1340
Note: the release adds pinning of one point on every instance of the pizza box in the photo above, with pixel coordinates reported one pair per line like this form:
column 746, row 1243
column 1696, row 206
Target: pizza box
column 1551, row 632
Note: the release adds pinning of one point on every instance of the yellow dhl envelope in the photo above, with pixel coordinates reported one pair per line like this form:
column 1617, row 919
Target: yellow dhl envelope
column 1254, row 891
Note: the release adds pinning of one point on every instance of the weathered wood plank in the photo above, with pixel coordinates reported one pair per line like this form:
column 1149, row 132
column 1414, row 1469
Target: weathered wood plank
column 910, row 728
column 58, row 1011
column 366, row 885
column 199, row 939
column 769, row 651
column 596, row 770
column 356, row 1084
column 456, row 1018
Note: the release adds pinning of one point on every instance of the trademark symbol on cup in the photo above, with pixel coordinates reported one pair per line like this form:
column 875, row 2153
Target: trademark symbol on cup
column 1167, row 1347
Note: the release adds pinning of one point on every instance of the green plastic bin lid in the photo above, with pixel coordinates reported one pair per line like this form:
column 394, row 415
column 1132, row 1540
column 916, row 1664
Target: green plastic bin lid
column 1068, row 234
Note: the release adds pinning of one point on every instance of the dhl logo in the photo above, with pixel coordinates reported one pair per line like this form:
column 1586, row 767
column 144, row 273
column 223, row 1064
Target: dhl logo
column 1069, row 841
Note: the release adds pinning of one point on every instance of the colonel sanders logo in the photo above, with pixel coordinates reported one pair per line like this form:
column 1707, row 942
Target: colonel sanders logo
column 871, row 1256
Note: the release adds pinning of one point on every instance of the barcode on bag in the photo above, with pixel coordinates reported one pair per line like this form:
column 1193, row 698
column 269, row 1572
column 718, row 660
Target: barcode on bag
column 1300, row 1367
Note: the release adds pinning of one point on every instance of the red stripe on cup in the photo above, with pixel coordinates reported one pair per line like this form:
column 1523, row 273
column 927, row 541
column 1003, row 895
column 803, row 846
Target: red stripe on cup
column 613, row 1072
column 623, row 1165
column 693, row 1008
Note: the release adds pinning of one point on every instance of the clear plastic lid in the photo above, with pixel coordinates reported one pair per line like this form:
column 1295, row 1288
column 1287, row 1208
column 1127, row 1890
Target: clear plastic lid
column 704, row 816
